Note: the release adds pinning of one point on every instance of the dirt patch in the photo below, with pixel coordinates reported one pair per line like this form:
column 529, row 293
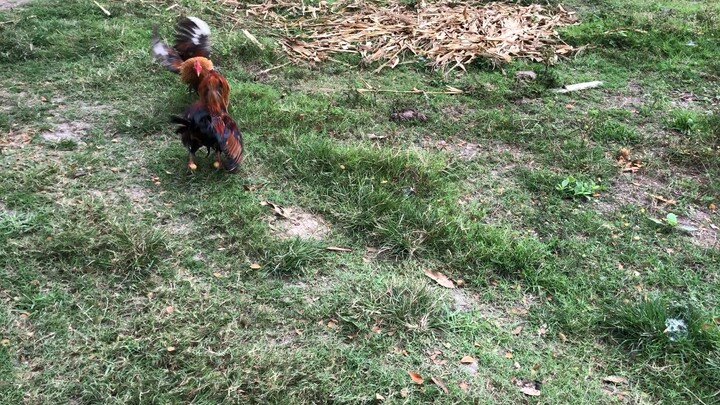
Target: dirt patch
column 631, row 100
column 707, row 234
column 299, row 224
column 463, row 302
column 67, row 131
column 462, row 149
column 7, row 4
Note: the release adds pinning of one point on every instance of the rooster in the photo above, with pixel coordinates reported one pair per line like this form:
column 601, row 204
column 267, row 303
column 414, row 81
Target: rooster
column 199, row 127
column 190, row 56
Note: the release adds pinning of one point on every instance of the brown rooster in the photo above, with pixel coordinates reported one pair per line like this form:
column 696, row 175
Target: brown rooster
column 189, row 57
column 199, row 127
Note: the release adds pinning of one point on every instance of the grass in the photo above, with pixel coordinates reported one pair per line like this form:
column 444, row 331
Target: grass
column 125, row 279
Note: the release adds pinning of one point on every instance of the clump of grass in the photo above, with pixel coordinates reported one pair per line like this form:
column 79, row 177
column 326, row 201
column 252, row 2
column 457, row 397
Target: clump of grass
column 614, row 131
column 682, row 340
column 684, row 121
column 397, row 303
column 293, row 256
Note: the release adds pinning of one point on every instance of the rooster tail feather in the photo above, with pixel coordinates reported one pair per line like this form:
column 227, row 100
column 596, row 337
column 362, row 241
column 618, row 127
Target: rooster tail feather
column 192, row 38
column 163, row 54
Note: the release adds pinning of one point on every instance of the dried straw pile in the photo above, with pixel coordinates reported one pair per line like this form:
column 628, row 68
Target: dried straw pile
column 448, row 34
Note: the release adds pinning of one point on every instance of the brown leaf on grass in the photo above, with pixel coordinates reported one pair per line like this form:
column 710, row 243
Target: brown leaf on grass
column 379, row 397
column 277, row 210
column 543, row 330
column 562, row 336
column 170, row 349
column 468, row 360
column 338, row 249
column 712, row 207
column 332, row 324
column 517, row 330
column 5, row 342
column 404, row 392
column 464, row 386
column 662, row 199
column 254, row 266
column 415, row 377
column 527, row 387
column 614, row 379
column 440, row 383
column 169, row 309
column 440, row 278
column 508, row 354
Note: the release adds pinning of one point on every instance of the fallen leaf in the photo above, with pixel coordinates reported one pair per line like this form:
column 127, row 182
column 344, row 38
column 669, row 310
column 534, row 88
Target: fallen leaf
column 379, row 397
column 543, row 330
column 440, row 383
column 440, row 278
column 463, row 386
column 338, row 249
column 5, row 342
column 278, row 210
column 563, row 338
column 171, row 349
column 332, row 324
column 404, row 392
column 712, row 207
column 376, row 329
column 217, row 274
column 530, row 391
column 417, row 378
column 516, row 365
column 170, row 310
column 517, row 330
column 614, row 379
column 254, row 266
column 467, row 360
column 508, row 354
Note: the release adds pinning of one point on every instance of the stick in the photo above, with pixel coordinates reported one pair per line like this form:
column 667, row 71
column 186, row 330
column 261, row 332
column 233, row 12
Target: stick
column 450, row 90
column 104, row 10
column 578, row 86
column 171, row 7
column 252, row 39
column 273, row 68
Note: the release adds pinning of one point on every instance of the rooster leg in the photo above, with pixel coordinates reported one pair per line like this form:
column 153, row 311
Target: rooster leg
column 191, row 161
column 218, row 159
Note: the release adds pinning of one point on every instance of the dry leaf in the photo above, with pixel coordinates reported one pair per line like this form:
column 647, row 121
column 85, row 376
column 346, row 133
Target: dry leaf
column 278, row 210
column 440, row 278
column 254, row 266
column 170, row 310
column 508, row 354
column 712, row 207
column 614, row 379
column 379, row 397
column 5, row 342
column 517, row 330
column 563, row 338
column 376, row 329
column 530, row 391
column 338, row 249
column 417, row 378
column 217, row 274
column 404, row 392
column 332, row 324
column 440, row 383
column 171, row 349
column 464, row 386
column 543, row 330
column 467, row 360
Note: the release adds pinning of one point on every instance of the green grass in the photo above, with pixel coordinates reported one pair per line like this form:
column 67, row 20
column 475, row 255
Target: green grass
column 124, row 279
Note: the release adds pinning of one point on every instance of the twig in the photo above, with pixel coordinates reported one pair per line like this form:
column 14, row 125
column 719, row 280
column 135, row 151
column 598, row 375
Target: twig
column 262, row 72
column 104, row 10
column 171, row 7
column 579, row 86
column 450, row 90
column 696, row 397
column 252, row 39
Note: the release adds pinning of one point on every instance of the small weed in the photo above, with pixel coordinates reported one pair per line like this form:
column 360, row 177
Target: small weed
column 684, row 121
column 572, row 187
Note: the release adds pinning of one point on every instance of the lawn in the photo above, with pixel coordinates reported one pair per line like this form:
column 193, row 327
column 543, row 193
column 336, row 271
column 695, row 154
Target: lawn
column 126, row 279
